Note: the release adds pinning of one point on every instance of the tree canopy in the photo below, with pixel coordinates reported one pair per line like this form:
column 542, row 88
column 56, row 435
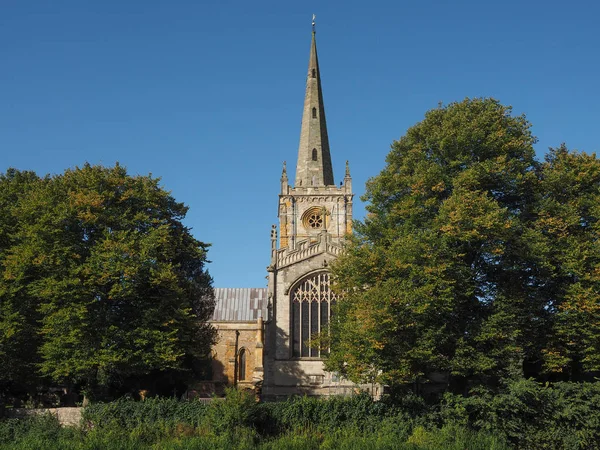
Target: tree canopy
column 99, row 277
column 475, row 260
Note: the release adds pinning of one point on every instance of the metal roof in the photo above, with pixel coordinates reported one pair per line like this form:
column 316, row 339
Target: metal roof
column 240, row 304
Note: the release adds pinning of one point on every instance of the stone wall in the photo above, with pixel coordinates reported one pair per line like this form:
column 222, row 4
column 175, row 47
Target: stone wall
column 66, row 416
column 232, row 338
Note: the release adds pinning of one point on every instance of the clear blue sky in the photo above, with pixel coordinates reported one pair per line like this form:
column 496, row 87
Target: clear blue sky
column 208, row 95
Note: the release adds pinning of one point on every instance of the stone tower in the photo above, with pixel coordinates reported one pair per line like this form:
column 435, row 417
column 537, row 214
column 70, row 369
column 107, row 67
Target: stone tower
column 314, row 216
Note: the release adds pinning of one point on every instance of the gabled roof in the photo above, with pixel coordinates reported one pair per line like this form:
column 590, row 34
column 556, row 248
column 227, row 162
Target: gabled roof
column 240, row 304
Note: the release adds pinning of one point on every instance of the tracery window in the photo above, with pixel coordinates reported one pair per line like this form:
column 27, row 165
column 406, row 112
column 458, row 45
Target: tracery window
column 315, row 218
column 312, row 300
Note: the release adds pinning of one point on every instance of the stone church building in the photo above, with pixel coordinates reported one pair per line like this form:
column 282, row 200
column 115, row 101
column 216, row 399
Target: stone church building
column 264, row 334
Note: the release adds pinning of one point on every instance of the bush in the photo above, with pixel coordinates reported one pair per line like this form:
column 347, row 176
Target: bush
column 238, row 410
column 301, row 413
column 451, row 437
column 532, row 415
column 37, row 432
column 129, row 414
column 525, row 414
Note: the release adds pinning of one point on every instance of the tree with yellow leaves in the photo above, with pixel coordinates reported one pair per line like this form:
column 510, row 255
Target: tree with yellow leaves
column 115, row 285
column 442, row 276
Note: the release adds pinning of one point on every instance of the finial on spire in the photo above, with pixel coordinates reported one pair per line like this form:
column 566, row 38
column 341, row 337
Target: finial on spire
column 284, row 171
column 313, row 22
column 347, row 169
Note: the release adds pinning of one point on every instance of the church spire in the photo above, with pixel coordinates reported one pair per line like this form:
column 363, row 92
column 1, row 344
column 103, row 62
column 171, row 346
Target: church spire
column 314, row 160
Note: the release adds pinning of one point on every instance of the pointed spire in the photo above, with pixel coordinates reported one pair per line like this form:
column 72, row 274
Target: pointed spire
column 314, row 160
column 347, row 169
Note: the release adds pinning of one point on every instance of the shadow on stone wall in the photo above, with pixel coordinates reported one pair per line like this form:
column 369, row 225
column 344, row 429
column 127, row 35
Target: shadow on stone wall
column 276, row 371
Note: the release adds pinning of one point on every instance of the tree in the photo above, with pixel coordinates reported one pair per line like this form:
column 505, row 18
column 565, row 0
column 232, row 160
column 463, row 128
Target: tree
column 440, row 277
column 19, row 328
column 118, row 281
column 569, row 221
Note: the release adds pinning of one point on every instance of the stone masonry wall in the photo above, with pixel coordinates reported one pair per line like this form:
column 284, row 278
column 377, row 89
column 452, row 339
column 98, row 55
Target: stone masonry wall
column 65, row 416
column 224, row 351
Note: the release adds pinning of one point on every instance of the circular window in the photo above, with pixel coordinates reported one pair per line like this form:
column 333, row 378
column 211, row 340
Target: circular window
column 315, row 221
column 314, row 218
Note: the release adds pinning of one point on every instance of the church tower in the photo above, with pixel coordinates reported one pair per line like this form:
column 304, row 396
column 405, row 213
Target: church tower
column 314, row 217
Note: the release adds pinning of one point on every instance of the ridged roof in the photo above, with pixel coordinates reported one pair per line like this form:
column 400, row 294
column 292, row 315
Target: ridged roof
column 240, row 304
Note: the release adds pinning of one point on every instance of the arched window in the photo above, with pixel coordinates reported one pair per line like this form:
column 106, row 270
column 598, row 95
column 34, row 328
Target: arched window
column 314, row 73
column 242, row 365
column 314, row 113
column 314, row 154
column 312, row 299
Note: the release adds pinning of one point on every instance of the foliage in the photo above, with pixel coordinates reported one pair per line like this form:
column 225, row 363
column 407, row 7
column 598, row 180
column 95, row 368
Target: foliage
column 359, row 411
column 235, row 423
column 569, row 221
column 129, row 414
column 237, row 410
column 474, row 260
column 14, row 429
column 19, row 317
column 98, row 268
column 532, row 415
column 524, row 414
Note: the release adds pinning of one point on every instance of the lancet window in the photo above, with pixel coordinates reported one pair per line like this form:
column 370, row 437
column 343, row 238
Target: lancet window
column 242, row 365
column 312, row 299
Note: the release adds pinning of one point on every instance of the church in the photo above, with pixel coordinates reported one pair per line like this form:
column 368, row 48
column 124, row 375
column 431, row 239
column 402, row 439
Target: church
column 264, row 334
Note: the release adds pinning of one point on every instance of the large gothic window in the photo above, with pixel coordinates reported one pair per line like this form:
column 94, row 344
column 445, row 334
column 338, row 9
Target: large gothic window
column 312, row 300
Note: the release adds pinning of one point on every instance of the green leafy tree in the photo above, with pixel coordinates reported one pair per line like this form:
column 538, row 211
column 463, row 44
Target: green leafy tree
column 118, row 281
column 438, row 278
column 569, row 221
column 18, row 312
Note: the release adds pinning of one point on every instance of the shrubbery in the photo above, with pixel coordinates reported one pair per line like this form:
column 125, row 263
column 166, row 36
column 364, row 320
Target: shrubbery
column 38, row 432
column 525, row 415
column 129, row 414
column 532, row 415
